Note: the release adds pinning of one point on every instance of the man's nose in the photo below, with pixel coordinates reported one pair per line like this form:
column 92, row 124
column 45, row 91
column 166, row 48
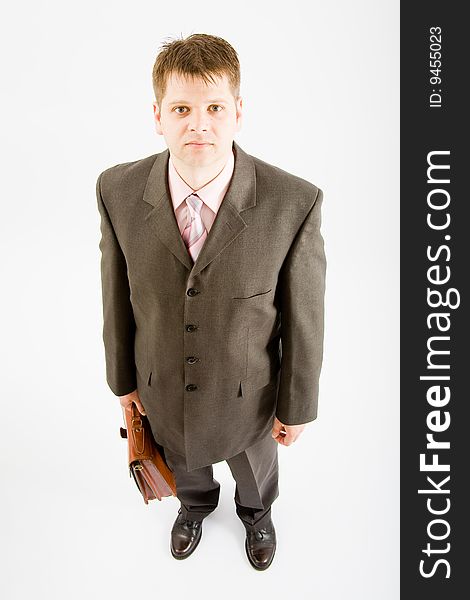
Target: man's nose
column 199, row 121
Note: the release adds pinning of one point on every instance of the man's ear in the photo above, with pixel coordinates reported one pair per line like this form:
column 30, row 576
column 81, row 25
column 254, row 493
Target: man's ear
column 157, row 117
column 238, row 105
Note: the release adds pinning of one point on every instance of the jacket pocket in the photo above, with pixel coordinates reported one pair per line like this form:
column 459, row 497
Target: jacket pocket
column 258, row 380
column 252, row 295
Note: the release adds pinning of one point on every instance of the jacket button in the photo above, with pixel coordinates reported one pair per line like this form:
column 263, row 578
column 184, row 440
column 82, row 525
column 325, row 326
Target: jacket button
column 191, row 327
column 192, row 292
column 192, row 359
column 191, row 387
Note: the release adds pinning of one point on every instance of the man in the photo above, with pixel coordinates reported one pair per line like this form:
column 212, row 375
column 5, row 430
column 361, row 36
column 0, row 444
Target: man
column 213, row 276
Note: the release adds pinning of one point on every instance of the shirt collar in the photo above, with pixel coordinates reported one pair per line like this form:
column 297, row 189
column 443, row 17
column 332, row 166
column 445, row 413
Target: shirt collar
column 211, row 194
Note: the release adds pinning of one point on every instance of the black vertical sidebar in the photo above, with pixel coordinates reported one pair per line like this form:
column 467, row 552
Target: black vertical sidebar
column 435, row 272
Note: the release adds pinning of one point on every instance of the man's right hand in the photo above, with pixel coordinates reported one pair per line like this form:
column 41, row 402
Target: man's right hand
column 128, row 399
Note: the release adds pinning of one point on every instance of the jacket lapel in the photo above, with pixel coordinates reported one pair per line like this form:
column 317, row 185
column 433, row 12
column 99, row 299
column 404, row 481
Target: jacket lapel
column 228, row 224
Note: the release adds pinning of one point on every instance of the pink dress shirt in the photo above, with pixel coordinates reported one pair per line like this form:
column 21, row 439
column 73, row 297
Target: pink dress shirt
column 211, row 194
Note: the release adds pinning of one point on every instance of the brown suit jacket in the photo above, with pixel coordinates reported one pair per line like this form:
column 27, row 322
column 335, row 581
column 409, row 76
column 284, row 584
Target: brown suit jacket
column 215, row 348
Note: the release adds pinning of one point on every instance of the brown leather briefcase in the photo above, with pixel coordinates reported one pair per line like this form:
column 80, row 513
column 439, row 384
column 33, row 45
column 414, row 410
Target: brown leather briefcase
column 147, row 465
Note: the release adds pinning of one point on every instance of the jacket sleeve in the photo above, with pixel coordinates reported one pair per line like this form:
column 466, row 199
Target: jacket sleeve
column 301, row 293
column 118, row 317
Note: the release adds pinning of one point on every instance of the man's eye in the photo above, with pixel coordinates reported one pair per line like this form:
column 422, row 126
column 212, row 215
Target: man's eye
column 180, row 110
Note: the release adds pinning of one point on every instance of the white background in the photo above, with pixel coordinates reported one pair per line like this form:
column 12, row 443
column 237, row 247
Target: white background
column 320, row 82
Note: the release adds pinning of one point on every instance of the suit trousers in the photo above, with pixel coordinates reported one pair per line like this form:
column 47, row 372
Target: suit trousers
column 255, row 471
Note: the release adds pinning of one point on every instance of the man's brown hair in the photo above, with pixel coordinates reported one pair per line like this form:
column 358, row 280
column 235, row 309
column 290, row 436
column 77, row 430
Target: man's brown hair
column 201, row 56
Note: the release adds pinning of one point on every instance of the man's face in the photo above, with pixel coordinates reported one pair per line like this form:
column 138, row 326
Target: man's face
column 198, row 120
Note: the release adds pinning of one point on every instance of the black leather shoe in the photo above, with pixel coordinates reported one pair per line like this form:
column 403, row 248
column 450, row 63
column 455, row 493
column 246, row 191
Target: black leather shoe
column 260, row 546
column 185, row 536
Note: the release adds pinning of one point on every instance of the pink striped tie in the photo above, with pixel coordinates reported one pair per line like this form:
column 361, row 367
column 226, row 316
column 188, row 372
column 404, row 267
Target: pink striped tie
column 194, row 233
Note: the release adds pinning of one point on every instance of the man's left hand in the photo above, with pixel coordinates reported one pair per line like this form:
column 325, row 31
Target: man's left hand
column 286, row 434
